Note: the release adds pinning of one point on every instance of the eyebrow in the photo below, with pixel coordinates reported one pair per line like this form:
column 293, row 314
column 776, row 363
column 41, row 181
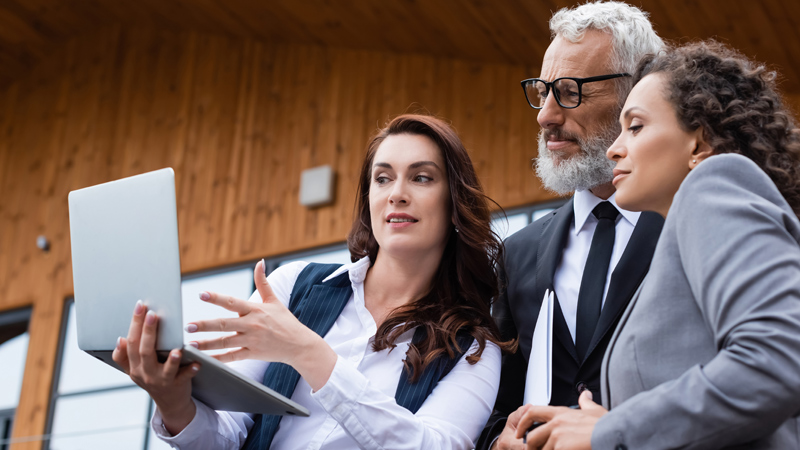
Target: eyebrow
column 630, row 111
column 411, row 166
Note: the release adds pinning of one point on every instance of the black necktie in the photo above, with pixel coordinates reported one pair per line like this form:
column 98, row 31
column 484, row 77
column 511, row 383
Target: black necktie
column 590, row 296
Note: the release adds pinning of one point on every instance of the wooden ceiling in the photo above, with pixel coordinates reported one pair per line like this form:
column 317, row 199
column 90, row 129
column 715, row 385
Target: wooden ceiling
column 502, row 31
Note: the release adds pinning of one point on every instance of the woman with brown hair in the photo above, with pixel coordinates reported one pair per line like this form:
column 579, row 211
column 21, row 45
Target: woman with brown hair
column 411, row 358
column 707, row 354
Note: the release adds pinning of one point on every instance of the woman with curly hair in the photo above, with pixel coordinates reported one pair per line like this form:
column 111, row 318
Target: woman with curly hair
column 707, row 354
column 410, row 357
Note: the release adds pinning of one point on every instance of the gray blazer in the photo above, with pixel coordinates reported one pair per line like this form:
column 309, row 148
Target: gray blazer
column 707, row 354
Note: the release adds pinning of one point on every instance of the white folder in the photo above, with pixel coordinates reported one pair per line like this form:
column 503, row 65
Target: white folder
column 539, row 380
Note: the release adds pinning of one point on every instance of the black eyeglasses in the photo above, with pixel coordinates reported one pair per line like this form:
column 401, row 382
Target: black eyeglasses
column 567, row 90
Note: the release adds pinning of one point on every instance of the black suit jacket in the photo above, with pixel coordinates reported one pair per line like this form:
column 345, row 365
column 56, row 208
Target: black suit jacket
column 532, row 256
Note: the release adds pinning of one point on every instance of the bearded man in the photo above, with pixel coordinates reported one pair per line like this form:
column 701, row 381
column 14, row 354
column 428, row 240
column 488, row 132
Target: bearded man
column 590, row 253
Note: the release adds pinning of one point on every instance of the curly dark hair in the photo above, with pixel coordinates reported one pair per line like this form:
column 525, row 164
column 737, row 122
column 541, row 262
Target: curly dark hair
column 736, row 102
column 467, row 277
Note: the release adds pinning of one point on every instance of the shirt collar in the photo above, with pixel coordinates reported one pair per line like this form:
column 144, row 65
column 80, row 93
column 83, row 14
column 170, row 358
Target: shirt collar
column 358, row 271
column 584, row 202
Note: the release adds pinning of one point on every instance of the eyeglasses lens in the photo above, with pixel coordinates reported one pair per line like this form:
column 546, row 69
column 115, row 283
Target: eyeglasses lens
column 536, row 93
column 566, row 91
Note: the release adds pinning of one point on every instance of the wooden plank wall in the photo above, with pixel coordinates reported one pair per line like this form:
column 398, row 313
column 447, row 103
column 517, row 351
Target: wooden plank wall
column 238, row 120
column 508, row 31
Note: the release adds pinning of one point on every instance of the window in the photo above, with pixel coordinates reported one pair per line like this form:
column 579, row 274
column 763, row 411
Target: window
column 13, row 352
column 338, row 254
column 95, row 406
column 518, row 218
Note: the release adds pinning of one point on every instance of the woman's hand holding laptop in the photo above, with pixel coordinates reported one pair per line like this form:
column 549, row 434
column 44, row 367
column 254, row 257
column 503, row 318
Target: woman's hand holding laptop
column 168, row 384
column 267, row 331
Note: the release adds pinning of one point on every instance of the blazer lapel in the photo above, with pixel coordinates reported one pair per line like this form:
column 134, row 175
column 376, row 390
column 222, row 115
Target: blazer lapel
column 551, row 247
column 628, row 274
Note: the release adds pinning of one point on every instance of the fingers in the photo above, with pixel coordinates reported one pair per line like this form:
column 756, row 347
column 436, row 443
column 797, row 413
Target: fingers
column 172, row 368
column 540, row 436
column 514, row 418
column 172, row 364
column 233, row 355
column 226, row 301
column 120, row 355
column 224, row 324
column 187, row 372
column 589, row 407
column 507, row 439
column 147, row 343
column 549, row 445
column 585, row 401
column 263, row 287
column 535, row 414
column 135, row 333
column 230, row 341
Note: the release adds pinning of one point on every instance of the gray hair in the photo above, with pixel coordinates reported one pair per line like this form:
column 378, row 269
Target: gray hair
column 632, row 34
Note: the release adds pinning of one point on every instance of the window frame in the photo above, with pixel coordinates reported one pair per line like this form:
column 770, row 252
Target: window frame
column 12, row 318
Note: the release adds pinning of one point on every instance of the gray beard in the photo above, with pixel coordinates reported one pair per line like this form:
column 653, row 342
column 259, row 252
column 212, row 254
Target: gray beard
column 586, row 170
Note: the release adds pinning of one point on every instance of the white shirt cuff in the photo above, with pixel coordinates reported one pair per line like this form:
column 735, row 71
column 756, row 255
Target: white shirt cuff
column 341, row 393
column 202, row 417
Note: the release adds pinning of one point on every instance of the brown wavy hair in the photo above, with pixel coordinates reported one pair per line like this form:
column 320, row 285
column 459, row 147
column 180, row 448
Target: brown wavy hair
column 736, row 102
column 466, row 280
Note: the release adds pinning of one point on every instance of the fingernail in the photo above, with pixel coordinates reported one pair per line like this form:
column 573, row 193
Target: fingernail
column 195, row 368
column 119, row 339
column 588, row 393
column 194, row 344
column 191, row 328
column 138, row 308
column 204, row 296
column 174, row 354
column 150, row 318
column 264, row 266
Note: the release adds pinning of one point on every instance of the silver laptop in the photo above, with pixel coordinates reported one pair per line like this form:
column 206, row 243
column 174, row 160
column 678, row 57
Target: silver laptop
column 124, row 248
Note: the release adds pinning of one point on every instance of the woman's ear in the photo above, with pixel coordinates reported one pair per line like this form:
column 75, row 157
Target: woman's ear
column 701, row 150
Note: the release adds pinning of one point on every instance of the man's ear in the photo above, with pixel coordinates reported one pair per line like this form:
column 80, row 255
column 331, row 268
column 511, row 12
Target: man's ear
column 702, row 149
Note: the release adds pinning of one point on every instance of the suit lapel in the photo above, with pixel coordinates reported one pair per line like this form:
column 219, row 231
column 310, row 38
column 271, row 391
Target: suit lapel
column 628, row 274
column 551, row 248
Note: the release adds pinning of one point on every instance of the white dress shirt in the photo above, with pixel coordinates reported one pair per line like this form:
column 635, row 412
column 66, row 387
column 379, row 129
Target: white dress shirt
column 356, row 407
column 567, row 279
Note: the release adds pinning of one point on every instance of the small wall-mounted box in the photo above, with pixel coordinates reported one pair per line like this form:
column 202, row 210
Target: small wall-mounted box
column 316, row 186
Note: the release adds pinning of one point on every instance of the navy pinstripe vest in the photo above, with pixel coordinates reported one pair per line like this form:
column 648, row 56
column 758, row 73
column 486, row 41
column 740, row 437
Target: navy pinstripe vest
column 317, row 305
